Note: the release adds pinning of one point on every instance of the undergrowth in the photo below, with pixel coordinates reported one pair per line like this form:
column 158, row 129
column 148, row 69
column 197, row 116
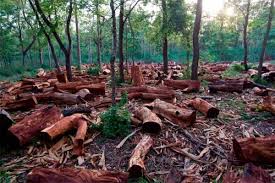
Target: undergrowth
column 116, row 120
column 260, row 80
column 256, row 117
column 233, row 71
column 4, row 177
column 138, row 180
column 94, row 70
column 186, row 74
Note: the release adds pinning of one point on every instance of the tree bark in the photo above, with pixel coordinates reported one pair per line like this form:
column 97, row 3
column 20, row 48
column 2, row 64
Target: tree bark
column 137, row 76
column 245, row 34
column 23, row 131
column 196, row 46
column 180, row 116
column 120, row 41
column 70, row 175
column 136, row 163
column 99, row 39
column 151, row 123
column 185, row 85
column 204, row 107
column 261, row 60
column 164, row 37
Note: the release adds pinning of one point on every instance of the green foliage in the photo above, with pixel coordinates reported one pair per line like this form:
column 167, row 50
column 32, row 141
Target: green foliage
column 4, row 177
column 186, row 74
column 94, row 71
column 116, row 120
column 17, row 72
column 138, row 180
column 233, row 71
column 256, row 117
column 260, row 80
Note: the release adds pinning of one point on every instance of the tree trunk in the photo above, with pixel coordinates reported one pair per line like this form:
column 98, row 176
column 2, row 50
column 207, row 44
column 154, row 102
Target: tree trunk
column 77, row 36
column 41, row 56
column 98, row 29
column 204, row 107
column 49, row 55
column 261, row 61
column 245, row 35
column 90, row 52
column 114, row 49
column 137, row 76
column 164, row 38
column 70, row 175
column 196, row 48
column 120, row 41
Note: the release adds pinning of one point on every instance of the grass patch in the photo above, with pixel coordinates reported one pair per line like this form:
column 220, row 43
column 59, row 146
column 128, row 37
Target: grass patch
column 94, row 71
column 260, row 81
column 232, row 104
column 233, row 71
column 17, row 73
column 186, row 74
column 262, row 116
column 116, row 120
column 4, row 177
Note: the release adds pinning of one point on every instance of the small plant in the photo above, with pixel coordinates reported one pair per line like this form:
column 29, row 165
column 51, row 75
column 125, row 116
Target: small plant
column 138, row 180
column 4, row 177
column 186, row 74
column 260, row 80
column 94, row 70
column 233, row 71
column 116, row 120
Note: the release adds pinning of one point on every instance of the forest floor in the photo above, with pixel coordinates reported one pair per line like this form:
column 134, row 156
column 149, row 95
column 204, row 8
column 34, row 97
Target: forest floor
column 210, row 139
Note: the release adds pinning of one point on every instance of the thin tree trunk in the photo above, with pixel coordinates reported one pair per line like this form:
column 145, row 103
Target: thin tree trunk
column 261, row 61
column 113, row 56
column 41, row 59
column 196, row 48
column 90, row 51
column 120, row 41
column 98, row 29
column 245, row 35
column 164, row 38
column 77, row 37
column 49, row 55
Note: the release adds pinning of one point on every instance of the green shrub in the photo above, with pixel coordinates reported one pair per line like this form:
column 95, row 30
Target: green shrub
column 116, row 120
column 233, row 71
column 4, row 177
column 94, row 71
column 186, row 74
column 260, row 80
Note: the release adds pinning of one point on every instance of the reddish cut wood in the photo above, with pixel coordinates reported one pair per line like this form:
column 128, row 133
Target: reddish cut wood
column 96, row 89
column 62, row 77
column 227, row 86
column 66, row 124
column 136, row 163
column 256, row 150
column 185, row 85
column 204, row 107
column 22, row 104
column 23, row 131
column 269, row 104
column 148, row 89
column 137, row 76
column 151, row 123
column 70, row 175
column 72, row 86
column 59, row 98
column 180, row 116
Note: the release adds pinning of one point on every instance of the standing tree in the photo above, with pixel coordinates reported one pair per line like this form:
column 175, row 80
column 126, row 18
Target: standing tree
column 164, row 36
column 77, row 35
column 196, row 48
column 113, row 54
column 261, row 60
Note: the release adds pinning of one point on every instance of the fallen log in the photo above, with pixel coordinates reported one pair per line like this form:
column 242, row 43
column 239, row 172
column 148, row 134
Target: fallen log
column 70, row 175
column 5, row 122
column 151, row 123
column 151, row 96
column 96, row 89
column 137, row 76
column 76, row 109
column 62, row 77
column 65, row 125
column 204, row 107
column 85, row 94
column 251, row 174
column 23, row 131
column 185, row 85
column 59, row 98
column 22, row 104
column 260, row 92
column 227, row 86
column 257, row 150
column 269, row 104
column 72, row 86
column 147, row 89
column 181, row 116
column 136, row 163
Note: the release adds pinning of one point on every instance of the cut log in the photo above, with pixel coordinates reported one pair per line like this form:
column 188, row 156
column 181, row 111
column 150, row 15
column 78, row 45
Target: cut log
column 62, row 77
column 147, row 89
column 59, row 98
column 180, row 116
column 23, row 131
column 22, row 104
column 185, row 85
column 151, row 96
column 227, row 86
column 76, row 109
column 258, row 150
column 260, row 92
column 251, row 174
column 96, row 89
column 137, row 76
column 66, row 124
column 70, row 175
column 5, row 122
column 85, row 94
column 151, row 123
column 136, row 163
column 269, row 104
column 204, row 107
column 71, row 86
column 13, row 87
